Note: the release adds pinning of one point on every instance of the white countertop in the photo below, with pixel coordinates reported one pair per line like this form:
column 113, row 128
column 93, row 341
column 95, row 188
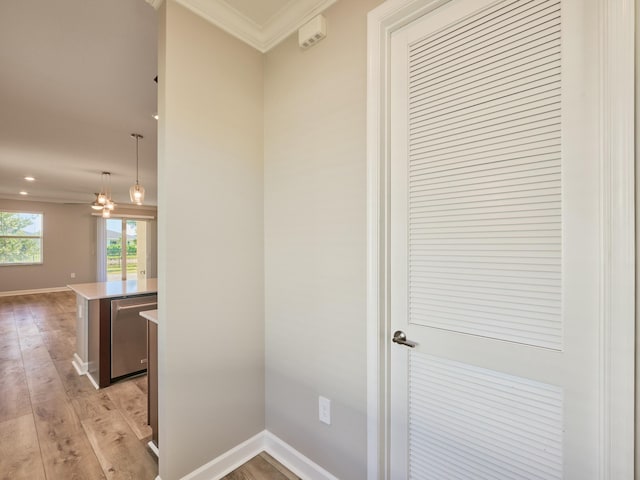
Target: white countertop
column 94, row 291
column 151, row 315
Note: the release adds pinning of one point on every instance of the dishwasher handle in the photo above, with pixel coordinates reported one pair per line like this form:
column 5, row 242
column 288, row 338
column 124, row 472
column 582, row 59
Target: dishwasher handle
column 137, row 306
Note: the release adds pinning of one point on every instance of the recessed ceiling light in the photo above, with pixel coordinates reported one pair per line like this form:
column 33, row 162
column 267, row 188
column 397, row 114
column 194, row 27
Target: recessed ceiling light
column 29, row 179
column 156, row 116
column 24, row 193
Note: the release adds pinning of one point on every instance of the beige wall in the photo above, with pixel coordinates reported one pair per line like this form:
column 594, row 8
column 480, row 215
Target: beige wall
column 211, row 298
column 69, row 243
column 315, row 241
column 213, row 323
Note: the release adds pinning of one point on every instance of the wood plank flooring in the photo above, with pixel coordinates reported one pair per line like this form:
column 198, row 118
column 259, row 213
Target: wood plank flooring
column 54, row 425
column 261, row 467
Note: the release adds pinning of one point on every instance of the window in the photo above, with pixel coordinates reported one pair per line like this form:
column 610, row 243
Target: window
column 20, row 238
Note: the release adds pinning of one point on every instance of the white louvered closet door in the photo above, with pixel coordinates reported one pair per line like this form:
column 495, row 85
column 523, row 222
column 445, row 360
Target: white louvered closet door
column 494, row 234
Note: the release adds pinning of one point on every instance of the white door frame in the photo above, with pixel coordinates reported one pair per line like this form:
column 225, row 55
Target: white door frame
column 617, row 217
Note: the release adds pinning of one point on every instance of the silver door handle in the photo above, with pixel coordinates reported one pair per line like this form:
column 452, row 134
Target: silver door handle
column 401, row 338
column 137, row 305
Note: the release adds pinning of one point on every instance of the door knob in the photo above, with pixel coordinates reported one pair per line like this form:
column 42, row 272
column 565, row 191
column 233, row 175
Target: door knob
column 401, row 338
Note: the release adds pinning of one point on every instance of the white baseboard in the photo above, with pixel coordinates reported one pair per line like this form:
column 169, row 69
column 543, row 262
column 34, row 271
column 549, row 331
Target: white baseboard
column 229, row 461
column 288, row 456
column 93, row 382
column 295, row 461
column 81, row 367
column 153, row 448
column 13, row 293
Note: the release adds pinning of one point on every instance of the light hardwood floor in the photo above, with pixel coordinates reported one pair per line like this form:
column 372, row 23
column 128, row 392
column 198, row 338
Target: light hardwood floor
column 54, row 424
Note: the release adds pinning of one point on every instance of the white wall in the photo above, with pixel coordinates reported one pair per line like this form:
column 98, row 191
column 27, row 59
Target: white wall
column 210, row 250
column 315, row 241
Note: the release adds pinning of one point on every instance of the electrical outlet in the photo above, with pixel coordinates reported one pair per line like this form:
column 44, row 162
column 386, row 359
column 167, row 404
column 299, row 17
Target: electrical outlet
column 324, row 410
column 73, row 275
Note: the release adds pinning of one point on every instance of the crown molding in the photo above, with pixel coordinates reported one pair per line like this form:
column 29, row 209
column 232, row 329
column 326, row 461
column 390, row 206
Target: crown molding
column 228, row 19
column 261, row 37
column 154, row 3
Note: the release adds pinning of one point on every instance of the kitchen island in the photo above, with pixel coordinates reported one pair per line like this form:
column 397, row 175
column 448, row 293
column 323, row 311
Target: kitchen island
column 93, row 324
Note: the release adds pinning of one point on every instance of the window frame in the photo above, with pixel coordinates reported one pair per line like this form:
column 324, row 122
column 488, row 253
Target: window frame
column 40, row 237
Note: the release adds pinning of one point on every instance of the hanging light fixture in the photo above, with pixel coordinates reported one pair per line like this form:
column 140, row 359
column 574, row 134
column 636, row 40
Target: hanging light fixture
column 103, row 199
column 109, row 205
column 136, row 192
column 96, row 205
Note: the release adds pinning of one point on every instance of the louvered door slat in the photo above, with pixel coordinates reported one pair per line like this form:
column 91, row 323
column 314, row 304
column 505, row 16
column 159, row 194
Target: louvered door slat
column 488, row 131
column 497, row 108
column 518, row 277
column 484, row 162
column 463, row 35
column 534, row 270
column 493, row 58
column 536, row 291
column 543, row 112
column 514, row 138
column 503, row 27
column 485, row 315
column 421, row 180
column 494, row 425
column 468, row 196
column 430, row 73
column 483, row 165
column 490, row 322
column 536, row 83
column 453, row 206
column 503, row 430
column 491, row 18
column 543, row 62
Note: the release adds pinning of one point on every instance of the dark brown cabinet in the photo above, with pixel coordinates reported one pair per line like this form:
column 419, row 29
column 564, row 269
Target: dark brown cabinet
column 152, row 378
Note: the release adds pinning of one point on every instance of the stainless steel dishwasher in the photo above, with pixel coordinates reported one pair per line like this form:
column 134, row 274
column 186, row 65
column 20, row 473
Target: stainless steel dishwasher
column 129, row 334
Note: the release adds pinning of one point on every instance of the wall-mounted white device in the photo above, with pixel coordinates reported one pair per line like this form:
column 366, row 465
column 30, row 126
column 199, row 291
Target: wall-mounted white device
column 312, row 32
column 324, row 410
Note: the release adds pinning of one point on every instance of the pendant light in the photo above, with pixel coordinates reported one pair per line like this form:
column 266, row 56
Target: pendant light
column 109, row 205
column 96, row 205
column 103, row 199
column 136, row 192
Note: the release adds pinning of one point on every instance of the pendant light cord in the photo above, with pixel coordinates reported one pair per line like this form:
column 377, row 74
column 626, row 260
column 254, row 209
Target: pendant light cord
column 137, row 136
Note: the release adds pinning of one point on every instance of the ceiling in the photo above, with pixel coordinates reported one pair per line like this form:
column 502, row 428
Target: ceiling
column 76, row 79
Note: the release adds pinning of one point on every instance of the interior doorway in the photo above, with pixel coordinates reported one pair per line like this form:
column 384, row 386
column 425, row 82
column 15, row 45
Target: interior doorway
column 406, row 261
